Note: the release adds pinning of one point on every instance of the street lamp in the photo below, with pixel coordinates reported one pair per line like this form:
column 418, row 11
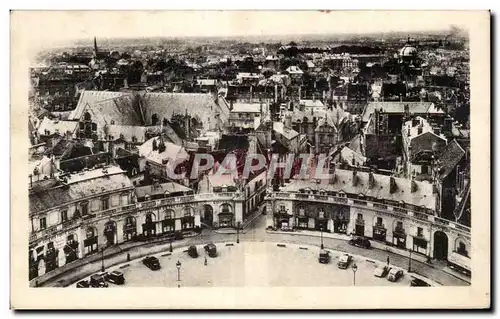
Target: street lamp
column 170, row 240
column 102, row 259
column 322, row 246
column 409, row 262
column 238, row 232
column 354, row 269
column 178, row 265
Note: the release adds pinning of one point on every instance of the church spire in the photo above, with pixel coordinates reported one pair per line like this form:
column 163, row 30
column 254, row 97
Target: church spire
column 95, row 47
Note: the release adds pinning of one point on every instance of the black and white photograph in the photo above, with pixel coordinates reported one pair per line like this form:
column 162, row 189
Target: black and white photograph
column 338, row 157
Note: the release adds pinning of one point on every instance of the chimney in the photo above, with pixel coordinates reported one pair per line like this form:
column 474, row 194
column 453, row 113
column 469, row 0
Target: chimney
column 393, row 186
column 300, row 92
column 420, row 129
column 371, row 179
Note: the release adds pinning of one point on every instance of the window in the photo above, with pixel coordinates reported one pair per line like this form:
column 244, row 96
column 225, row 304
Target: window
column 302, row 211
column 169, row 215
column 105, row 203
column 64, row 216
column 43, row 222
column 85, row 208
column 321, row 213
column 420, row 232
column 379, row 221
column 187, row 214
column 282, row 208
column 462, row 250
column 360, row 216
column 124, row 199
column 399, row 226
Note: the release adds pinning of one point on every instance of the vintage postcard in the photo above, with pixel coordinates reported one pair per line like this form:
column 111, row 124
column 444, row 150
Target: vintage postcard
column 250, row 159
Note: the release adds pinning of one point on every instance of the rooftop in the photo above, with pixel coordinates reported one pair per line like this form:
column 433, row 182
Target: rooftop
column 246, row 108
column 422, row 195
column 172, row 152
column 49, row 127
column 161, row 189
column 288, row 133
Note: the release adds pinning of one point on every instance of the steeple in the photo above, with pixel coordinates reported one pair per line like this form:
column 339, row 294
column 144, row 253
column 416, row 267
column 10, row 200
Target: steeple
column 95, row 47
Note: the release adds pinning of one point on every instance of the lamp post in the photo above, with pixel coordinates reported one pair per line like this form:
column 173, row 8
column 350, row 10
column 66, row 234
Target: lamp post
column 409, row 262
column 238, row 232
column 102, row 259
column 354, row 269
column 178, row 265
column 322, row 246
column 170, row 240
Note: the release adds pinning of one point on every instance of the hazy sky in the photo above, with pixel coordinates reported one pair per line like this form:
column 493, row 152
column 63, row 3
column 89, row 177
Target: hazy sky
column 42, row 28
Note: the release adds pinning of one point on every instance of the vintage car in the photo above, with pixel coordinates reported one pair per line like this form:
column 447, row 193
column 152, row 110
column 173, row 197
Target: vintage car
column 360, row 242
column 324, row 256
column 419, row 283
column 116, row 277
column 211, row 250
column 152, row 263
column 192, row 251
column 99, row 280
column 381, row 271
column 83, row 284
column 344, row 261
column 394, row 274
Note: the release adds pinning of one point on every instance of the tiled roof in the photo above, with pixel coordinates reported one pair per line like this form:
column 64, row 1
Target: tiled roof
column 53, row 197
column 122, row 108
column 172, row 152
column 128, row 132
column 423, row 195
column 399, row 107
column 53, row 126
column 450, row 157
column 165, row 188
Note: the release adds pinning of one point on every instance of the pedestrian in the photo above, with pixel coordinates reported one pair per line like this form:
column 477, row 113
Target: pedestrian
column 128, row 256
column 388, row 261
column 205, row 261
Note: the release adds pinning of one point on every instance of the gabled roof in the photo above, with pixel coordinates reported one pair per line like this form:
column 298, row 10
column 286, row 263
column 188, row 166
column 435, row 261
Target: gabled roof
column 399, row 107
column 450, row 157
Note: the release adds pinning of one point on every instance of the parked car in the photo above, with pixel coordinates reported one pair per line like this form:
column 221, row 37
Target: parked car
column 344, row 261
column 99, row 280
column 271, row 228
column 211, row 249
column 192, row 251
column 394, row 274
column 360, row 242
column 381, row 271
column 324, row 256
column 83, row 284
column 152, row 263
column 116, row 277
column 419, row 283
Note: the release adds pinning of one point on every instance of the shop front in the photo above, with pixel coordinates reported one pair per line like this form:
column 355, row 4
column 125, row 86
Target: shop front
column 33, row 265
column 226, row 216
column 399, row 235
column 91, row 241
column 51, row 260
column 359, row 228
column 301, row 219
column 340, row 219
column 187, row 222
column 379, row 230
column 420, row 245
column 149, row 227
column 129, row 228
column 71, row 248
column 110, row 233
column 321, row 222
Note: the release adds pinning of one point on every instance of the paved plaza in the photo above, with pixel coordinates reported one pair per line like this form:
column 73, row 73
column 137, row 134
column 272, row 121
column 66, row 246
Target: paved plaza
column 254, row 264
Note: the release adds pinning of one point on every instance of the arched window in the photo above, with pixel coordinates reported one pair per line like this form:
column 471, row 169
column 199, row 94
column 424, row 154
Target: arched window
column 87, row 116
